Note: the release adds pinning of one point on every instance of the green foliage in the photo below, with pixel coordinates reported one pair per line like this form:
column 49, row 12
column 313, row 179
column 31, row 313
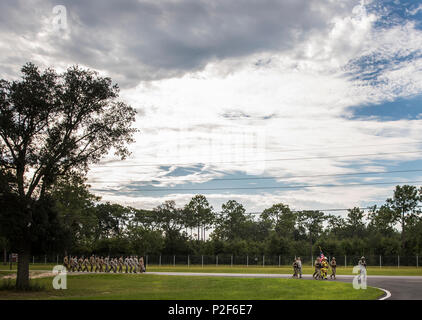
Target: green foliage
column 231, row 221
column 198, row 213
column 114, row 230
column 51, row 126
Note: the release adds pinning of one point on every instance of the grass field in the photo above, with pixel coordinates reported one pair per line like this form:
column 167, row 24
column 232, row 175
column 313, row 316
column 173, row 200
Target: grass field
column 402, row 271
column 151, row 287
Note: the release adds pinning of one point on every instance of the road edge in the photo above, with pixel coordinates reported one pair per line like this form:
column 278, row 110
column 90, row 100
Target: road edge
column 387, row 294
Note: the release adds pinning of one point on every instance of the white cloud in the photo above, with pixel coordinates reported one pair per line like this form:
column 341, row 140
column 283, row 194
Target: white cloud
column 254, row 75
column 304, row 97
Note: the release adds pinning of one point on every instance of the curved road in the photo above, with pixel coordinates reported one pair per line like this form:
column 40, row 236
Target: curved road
column 400, row 287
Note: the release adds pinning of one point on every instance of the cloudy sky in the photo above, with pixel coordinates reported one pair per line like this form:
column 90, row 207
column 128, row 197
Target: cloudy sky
column 316, row 104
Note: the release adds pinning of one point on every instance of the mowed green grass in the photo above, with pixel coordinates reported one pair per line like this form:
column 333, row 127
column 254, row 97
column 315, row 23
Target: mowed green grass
column 387, row 271
column 161, row 287
column 372, row 270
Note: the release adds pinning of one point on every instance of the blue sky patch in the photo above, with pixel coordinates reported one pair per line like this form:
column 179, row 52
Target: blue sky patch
column 409, row 109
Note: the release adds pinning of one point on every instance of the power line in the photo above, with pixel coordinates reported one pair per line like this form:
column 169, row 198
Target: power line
column 348, row 146
column 261, row 160
column 327, row 210
column 332, row 147
column 279, row 187
column 268, row 177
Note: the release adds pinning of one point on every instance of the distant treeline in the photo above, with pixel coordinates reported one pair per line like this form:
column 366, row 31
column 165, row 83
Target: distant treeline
column 89, row 226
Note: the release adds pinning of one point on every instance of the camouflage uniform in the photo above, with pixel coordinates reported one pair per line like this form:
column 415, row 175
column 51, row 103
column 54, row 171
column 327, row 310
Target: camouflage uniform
column 121, row 264
column 92, row 262
column 317, row 273
column 70, row 264
column 362, row 262
column 135, row 264
column 97, row 264
column 85, row 265
column 299, row 267
column 101, row 262
column 141, row 265
column 333, row 264
column 115, row 264
column 324, row 268
column 75, row 264
column 66, row 263
column 80, row 262
column 295, row 271
column 107, row 264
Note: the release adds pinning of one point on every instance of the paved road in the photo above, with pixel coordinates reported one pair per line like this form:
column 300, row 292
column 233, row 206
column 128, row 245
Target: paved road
column 400, row 287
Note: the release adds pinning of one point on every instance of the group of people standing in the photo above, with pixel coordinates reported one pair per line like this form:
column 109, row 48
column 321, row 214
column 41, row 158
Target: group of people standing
column 322, row 266
column 131, row 264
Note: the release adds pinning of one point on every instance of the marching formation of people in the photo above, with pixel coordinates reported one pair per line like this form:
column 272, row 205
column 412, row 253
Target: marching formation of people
column 131, row 264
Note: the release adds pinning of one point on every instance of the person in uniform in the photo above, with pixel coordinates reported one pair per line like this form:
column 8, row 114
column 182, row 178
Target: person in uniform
column 80, row 262
column 92, row 262
column 101, row 263
column 120, row 264
column 107, row 264
column 85, row 265
column 131, row 262
column 362, row 266
column 299, row 267
column 75, row 264
column 333, row 264
column 324, row 268
column 135, row 263
column 113, row 264
column 126, row 264
column 97, row 264
column 66, row 262
column 70, row 264
column 317, row 273
column 141, row 265
column 295, row 271
column 362, row 262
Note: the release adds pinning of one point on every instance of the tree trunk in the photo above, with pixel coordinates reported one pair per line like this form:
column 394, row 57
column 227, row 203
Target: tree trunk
column 403, row 238
column 4, row 256
column 310, row 237
column 22, row 278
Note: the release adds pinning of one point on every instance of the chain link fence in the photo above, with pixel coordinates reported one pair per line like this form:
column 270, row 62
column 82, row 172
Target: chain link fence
column 244, row 260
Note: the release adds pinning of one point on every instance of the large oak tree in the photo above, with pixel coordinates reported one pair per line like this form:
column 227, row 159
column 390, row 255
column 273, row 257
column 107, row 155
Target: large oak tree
column 52, row 125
